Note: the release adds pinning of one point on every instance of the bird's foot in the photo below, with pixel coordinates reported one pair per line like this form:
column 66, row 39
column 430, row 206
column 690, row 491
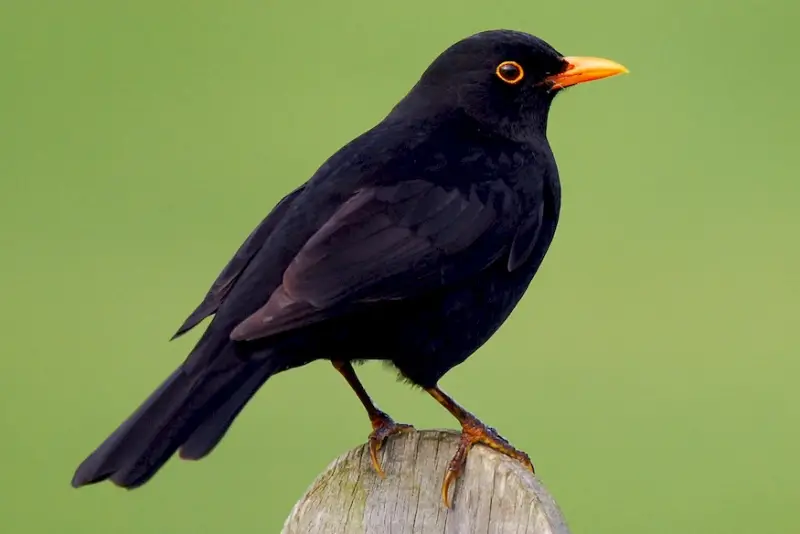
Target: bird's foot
column 473, row 431
column 383, row 426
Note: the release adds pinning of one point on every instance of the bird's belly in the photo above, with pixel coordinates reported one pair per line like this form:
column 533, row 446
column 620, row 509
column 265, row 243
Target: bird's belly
column 427, row 336
column 448, row 331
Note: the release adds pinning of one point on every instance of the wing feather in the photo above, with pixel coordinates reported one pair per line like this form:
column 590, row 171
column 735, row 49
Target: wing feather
column 227, row 278
column 386, row 242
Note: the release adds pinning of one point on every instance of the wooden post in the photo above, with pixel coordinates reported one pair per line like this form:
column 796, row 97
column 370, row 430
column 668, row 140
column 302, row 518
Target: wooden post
column 494, row 495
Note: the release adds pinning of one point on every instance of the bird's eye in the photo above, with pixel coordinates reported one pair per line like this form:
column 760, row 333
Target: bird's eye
column 510, row 72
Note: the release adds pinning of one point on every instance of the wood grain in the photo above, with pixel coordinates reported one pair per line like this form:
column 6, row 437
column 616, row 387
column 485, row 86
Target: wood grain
column 495, row 494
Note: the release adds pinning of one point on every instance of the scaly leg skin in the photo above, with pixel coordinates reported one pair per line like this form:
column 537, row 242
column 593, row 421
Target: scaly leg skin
column 473, row 431
column 383, row 426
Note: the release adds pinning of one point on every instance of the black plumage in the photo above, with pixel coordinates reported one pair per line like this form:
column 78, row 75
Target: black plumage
column 412, row 244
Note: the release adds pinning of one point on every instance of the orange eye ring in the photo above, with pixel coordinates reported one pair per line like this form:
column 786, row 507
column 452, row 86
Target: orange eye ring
column 510, row 72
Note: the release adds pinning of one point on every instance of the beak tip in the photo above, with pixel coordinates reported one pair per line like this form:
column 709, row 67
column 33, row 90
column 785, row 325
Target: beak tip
column 616, row 68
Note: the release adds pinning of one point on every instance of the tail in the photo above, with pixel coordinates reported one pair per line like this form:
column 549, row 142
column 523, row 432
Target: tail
column 191, row 411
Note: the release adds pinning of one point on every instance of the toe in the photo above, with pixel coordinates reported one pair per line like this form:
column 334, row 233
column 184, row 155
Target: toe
column 455, row 468
column 378, row 436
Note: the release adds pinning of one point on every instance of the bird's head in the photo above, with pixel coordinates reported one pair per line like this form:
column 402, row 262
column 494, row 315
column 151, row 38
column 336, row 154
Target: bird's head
column 504, row 79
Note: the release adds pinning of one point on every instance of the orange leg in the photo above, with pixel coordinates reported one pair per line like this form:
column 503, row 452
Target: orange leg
column 472, row 431
column 383, row 426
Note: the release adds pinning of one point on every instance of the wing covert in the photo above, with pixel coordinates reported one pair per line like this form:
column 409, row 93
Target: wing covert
column 387, row 242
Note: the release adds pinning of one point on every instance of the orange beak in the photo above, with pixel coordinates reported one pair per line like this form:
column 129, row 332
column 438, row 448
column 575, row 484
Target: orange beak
column 585, row 69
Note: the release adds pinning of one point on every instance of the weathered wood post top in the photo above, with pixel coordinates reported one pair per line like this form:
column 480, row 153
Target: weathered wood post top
column 494, row 495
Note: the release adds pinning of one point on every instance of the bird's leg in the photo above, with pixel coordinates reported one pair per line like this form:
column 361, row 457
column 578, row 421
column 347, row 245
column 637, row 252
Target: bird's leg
column 472, row 431
column 383, row 426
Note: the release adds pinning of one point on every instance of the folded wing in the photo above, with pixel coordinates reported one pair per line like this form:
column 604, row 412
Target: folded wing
column 388, row 242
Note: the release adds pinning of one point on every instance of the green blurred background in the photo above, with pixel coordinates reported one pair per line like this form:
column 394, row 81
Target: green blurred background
column 650, row 371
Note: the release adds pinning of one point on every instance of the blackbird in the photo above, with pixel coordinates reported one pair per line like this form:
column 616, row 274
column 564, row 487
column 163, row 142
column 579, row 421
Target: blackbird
column 412, row 244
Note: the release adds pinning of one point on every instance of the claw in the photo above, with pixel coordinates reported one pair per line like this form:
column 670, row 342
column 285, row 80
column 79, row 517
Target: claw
column 448, row 479
column 383, row 427
column 452, row 474
column 374, row 447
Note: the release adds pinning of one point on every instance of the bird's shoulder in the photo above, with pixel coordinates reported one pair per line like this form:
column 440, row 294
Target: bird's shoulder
column 449, row 149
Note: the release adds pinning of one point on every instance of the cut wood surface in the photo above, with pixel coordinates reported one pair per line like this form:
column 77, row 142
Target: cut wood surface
column 494, row 495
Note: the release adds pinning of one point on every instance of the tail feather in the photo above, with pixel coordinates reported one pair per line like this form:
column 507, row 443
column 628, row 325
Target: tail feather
column 209, row 433
column 110, row 455
column 183, row 404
